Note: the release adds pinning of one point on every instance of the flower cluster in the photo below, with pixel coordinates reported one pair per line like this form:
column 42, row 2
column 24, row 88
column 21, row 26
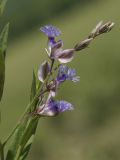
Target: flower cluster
column 53, row 74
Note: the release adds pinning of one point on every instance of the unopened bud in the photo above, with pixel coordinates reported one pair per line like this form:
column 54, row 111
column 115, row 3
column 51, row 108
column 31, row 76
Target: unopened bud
column 95, row 31
column 83, row 44
column 101, row 28
column 111, row 26
column 106, row 27
column 64, row 56
column 57, row 46
column 43, row 71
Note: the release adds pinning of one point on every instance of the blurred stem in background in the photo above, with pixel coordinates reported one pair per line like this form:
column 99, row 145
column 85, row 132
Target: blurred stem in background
column 3, row 47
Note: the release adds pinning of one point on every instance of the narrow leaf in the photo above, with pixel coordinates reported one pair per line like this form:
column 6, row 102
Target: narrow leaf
column 27, row 147
column 28, row 138
column 21, row 139
column 1, row 151
column 4, row 38
column 3, row 47
column 33, row 87
column 16, row 140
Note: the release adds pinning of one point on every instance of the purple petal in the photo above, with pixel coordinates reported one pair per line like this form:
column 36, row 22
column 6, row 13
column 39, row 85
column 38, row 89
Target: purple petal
column 64, row 106
column 53, row 108
column 50, row 31
column 65, row 73
column 71, row 75
column 61, row 77
column 71, row 72
column 62, row 69
column 51, row 42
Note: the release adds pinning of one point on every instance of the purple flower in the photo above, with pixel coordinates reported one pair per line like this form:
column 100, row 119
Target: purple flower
column 65, row 73
column 53, row 108
column 55, row 50
column 50, row 31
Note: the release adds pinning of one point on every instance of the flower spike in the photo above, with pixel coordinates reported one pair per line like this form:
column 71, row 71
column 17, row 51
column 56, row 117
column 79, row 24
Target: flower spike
column 53, row 76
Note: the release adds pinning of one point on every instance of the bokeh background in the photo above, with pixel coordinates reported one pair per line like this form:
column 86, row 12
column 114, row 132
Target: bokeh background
column 92, row 130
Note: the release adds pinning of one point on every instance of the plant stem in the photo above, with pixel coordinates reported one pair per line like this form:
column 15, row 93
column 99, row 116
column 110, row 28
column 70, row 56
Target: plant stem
column 52, row 65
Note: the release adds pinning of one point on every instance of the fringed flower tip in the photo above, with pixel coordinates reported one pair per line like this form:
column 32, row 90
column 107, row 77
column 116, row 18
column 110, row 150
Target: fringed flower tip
column 50, row 31
column 66, row 73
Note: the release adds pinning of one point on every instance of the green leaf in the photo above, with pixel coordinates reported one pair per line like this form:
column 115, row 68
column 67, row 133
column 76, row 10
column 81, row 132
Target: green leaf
column 1, row 151
column 16, row 140
column 23, row 139
column 2, row 6
column 27, row 147
column 4, row 38
column 26, row 128
column 33, row 87
column 3, row 47
column 23, row 136
column 28, row 138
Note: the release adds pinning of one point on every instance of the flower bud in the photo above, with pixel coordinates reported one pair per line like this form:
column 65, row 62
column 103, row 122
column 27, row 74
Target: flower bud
column 83, row 44
column 57, row 46
column 95, row 31
column 66, row 56
column 43, row 71
column 106, row 27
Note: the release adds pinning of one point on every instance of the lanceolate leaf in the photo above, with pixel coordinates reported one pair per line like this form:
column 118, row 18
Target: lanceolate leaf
column 1, row 151
column 22, row 139
column 33, row 87
column 3, row 47
column 4, row 38
column 28, row 138
column 2, row 73
column 24, row 134
column 2, row 6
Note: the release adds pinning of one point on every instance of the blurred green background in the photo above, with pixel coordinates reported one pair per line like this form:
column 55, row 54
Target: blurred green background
column 92, row 130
